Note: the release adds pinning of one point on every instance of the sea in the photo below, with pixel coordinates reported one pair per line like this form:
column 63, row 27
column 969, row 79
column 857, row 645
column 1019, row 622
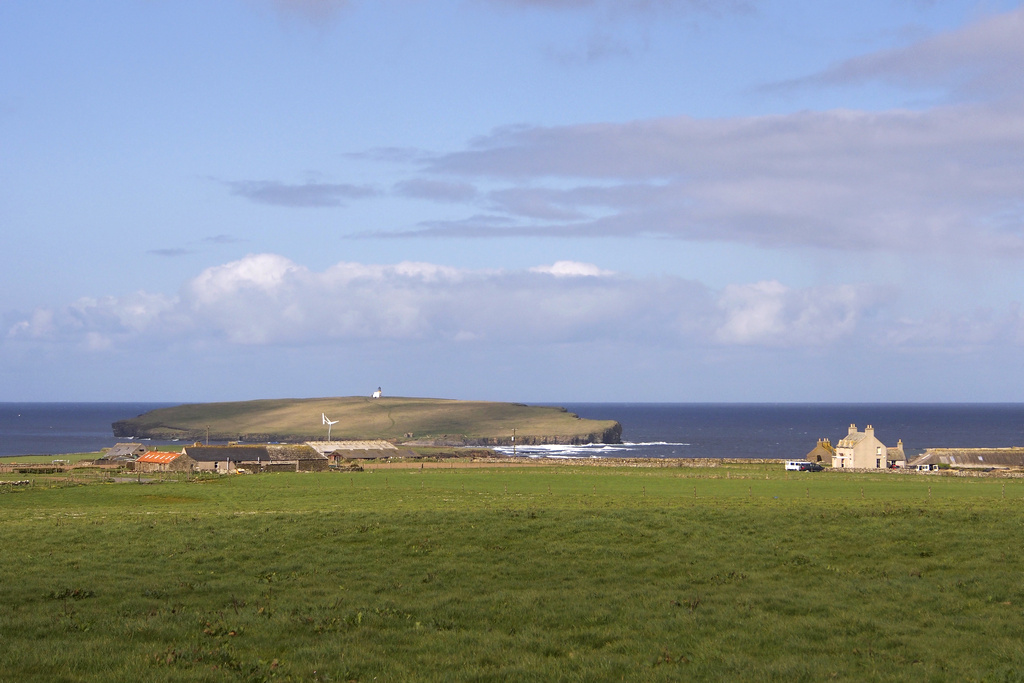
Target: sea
column 649, row 430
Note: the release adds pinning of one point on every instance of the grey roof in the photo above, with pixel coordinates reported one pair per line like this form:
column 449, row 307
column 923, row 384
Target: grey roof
column 124, row 451
column 851, row 440
column 972, row 457
column 372, row 454
column 326, row 447
column 254, row 453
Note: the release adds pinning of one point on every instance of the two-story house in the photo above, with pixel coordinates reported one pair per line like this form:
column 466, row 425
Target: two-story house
column 860, row 450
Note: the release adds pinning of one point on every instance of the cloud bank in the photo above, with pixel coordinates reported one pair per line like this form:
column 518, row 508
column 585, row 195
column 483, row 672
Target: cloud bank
column 269, row 300
column 983, row 60
column 948, row 179
column 266, row 299
column 945, row 178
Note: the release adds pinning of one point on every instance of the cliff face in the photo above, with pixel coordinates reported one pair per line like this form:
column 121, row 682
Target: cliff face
column 611, row 435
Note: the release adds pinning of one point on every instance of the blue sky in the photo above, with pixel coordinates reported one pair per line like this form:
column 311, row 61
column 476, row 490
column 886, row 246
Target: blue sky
column 531, row 200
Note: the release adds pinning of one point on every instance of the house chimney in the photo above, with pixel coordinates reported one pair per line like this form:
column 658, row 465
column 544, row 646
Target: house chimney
column 899, row 444
column 853, row 428
column 869, row 430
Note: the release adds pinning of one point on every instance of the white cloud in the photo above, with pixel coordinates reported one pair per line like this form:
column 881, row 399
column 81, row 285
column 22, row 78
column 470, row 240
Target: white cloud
column 40, row 325
column 769, row 313
column 268, row 300
column 97, row 323
column 571, row 269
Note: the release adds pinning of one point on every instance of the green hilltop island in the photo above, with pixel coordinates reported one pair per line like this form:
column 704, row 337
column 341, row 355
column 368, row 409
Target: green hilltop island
column 407, row 421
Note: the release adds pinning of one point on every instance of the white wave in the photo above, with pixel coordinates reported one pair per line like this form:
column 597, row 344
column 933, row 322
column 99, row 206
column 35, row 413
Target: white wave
column 592, row 450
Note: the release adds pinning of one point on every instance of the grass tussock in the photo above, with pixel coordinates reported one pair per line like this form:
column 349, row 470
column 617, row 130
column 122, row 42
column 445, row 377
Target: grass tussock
column 539, row 574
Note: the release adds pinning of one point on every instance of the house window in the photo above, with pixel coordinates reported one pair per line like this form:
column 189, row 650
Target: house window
column 878, row 463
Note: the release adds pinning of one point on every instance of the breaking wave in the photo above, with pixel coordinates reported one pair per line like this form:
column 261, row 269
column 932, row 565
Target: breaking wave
column 649, row 449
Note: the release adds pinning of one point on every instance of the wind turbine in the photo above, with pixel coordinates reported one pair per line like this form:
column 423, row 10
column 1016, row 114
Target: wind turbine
column 329, row 423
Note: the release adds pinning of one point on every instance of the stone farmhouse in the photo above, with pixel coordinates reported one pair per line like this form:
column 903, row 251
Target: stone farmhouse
column 863, row 450
column 163, row 461
column 823, row 452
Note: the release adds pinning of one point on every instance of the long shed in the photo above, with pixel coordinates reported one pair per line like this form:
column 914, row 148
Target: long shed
column 257, row 458
column 970, row 458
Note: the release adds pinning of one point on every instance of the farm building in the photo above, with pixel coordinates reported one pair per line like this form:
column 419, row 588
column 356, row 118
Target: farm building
column 339, row 452
column 257, row 458
column 121, row 454
column 969, row 458
column 862, row 450
column 896, row 457
column 823, row 452
column 162, row 461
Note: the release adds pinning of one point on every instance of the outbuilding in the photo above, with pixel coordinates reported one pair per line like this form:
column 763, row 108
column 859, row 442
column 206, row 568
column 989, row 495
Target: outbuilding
column 340, row 452
column 163, row 461
column 121, row 454
column 823, row 452
column 970, row 458
column 257, row 458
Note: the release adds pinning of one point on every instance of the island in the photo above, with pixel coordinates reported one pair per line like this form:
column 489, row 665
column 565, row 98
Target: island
column 408, row 421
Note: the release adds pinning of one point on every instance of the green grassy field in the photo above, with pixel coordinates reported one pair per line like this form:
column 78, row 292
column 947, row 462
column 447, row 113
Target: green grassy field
column 554, row 573
column 48, row 459
column 364, row 418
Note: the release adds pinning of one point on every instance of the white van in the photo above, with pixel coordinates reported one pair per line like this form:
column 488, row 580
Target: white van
column 797, row 465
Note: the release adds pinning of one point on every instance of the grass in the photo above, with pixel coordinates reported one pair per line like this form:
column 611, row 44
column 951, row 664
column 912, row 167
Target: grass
column 47, row 459
column 559, row 573
column 364, row 418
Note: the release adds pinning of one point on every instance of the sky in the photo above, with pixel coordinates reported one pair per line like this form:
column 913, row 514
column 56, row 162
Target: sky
column 517, row 200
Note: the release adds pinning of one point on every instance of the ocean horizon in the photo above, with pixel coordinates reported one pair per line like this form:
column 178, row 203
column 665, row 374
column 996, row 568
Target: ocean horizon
column 649, row 430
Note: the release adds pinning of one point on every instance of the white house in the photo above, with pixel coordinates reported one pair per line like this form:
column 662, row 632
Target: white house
column 377, row 394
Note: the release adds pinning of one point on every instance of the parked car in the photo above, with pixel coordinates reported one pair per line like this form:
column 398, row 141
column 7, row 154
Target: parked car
column 811, row 467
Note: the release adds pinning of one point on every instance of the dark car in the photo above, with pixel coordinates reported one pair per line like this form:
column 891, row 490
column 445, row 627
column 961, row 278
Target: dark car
column 811, row 467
